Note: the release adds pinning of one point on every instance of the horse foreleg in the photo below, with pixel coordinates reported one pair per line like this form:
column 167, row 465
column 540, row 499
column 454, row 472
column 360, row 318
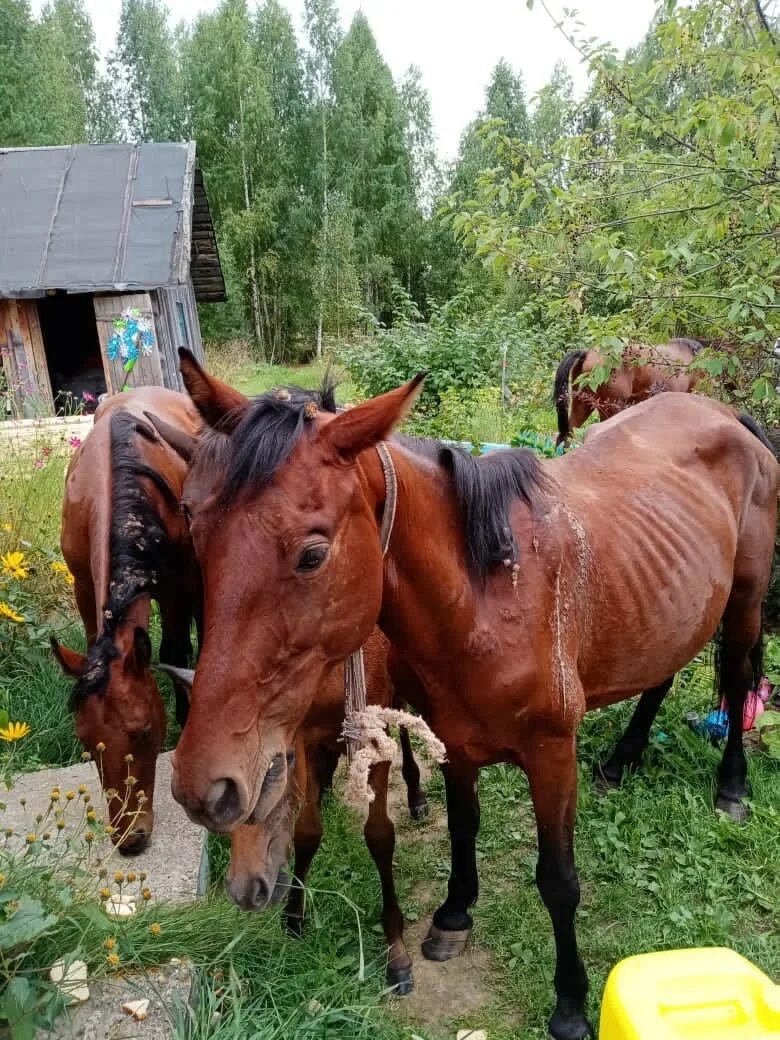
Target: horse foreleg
column 307, row 837
column 415, row 796
column 631, row 746
column 380, row 839
column 553, row 780
column 452, row 923
column 176, row 647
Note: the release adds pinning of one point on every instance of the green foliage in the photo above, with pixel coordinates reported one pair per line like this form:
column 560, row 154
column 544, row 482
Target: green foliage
column 658, row 216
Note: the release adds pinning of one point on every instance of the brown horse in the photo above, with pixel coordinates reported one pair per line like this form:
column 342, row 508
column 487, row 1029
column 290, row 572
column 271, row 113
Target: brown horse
column 126, row 543
column 645, row 370
column 259, row 851
column 521, row 593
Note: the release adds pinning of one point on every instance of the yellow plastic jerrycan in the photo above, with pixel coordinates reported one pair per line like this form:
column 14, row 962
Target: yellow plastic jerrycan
column 705, row 994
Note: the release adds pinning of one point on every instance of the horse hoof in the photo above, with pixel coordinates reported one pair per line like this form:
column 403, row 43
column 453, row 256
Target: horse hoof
column 570, row 1027
column 419, row 811
column 602, row 782
column 439, row 945
column 400, row 981
column 736, row 811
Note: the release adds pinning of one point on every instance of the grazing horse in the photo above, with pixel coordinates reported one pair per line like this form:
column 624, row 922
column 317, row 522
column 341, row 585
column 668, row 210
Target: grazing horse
column 256, row 876
column 644, row 371
column 126, row 543
column 521, row 594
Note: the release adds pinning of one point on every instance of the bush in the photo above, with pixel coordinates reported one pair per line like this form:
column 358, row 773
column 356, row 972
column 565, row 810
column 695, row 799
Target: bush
column 464, row 395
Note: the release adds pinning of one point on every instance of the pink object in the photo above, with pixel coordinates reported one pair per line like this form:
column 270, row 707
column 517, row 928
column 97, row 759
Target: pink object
column 755, row 704
column 75, row 442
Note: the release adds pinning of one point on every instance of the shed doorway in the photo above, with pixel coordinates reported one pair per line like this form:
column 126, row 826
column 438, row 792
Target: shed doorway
column 72, row 347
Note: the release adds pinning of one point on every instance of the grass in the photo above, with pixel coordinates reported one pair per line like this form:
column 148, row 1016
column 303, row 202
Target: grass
column 657, row 867
column 234, row 364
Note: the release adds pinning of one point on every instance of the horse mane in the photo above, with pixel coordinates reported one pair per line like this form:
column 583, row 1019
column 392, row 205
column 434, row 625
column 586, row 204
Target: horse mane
column 266, row 434
column 485, row 489
column 141, row 553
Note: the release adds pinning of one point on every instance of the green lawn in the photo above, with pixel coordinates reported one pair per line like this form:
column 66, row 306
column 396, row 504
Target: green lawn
column 657, row 868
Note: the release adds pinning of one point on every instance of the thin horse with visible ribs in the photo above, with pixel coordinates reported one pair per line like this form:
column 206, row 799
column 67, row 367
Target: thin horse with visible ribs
column 126, row 543
column 521, row 593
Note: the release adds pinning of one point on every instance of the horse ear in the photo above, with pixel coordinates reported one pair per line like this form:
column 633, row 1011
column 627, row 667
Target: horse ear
column 372, row 421
column 140, row 656
column 182, row 677
column 70, row 661
column 220, row 405
column 182, row 443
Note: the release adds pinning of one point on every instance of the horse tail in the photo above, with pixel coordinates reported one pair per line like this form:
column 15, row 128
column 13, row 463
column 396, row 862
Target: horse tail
column 757, row 430
column 569, row 368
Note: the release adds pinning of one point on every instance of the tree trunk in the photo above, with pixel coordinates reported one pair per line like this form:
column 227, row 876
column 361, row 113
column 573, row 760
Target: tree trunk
column 253, row 286
column 324, row 228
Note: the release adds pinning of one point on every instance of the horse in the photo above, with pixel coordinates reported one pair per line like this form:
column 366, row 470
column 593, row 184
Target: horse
column 520, row 593
column 256, row 877
column 644, row 371
column 259, row 851
column 126, row 543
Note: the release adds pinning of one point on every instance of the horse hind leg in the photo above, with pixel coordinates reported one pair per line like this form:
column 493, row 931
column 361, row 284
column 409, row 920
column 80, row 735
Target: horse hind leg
column 739, row 669
column 632, row 745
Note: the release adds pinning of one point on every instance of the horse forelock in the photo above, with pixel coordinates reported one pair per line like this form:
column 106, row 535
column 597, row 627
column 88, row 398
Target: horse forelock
column 265, row 436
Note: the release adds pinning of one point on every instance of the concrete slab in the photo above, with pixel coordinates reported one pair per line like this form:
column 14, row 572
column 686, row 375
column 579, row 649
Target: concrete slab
column 175, row 860
column 102, row 1017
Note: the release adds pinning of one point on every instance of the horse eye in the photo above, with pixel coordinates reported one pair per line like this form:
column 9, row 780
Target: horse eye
column 312, row 558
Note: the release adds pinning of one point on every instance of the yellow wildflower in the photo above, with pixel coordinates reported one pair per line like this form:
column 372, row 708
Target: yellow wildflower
column 14, row 564
column 89, row 837
column 55, row 794
column 31, row 839
column 119, row 877
column 100, row 746
column 10, row 613
column 105, row 893
column 82, row 788
column 14, row 730
column 113, row 959
column 64, row 570
column 110, row 943
column 7, row 527
column 131, row 876
column 155, row 929
column 2, row 880
column 146, row 894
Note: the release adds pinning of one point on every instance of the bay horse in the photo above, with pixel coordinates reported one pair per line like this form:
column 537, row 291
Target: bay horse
column 644, row 371
column 521, row 593
column 126, row 543
column 259, row 852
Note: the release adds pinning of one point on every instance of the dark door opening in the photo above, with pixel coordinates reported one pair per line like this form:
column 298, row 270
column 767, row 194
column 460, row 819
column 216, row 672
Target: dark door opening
column 72, row 348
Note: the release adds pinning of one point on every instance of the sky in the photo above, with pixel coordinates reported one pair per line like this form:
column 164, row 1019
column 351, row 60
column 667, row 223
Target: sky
column 455, row 43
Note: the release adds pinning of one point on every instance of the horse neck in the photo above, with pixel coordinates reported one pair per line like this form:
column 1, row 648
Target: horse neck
column 427, row 588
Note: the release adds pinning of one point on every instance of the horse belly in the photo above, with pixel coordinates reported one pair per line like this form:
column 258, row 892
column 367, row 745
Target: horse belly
column 661, row 593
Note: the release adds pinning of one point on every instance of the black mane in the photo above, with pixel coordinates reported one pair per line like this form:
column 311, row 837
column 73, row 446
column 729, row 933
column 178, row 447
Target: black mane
column 485, row 489
column 141, row 554
column 266, row 435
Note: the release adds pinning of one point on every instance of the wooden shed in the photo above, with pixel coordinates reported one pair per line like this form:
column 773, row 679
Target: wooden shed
column 104, row 252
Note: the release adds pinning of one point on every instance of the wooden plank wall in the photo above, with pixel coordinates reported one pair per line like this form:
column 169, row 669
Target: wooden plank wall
column 182, row 326
column 24, row 359
column 148, row 369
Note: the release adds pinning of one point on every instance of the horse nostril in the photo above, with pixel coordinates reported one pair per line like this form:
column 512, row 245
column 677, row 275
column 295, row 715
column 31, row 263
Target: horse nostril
column 260, row 893
column 223, row 802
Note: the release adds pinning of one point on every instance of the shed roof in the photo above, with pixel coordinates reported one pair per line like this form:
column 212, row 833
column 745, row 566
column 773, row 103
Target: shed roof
column 90, row 218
